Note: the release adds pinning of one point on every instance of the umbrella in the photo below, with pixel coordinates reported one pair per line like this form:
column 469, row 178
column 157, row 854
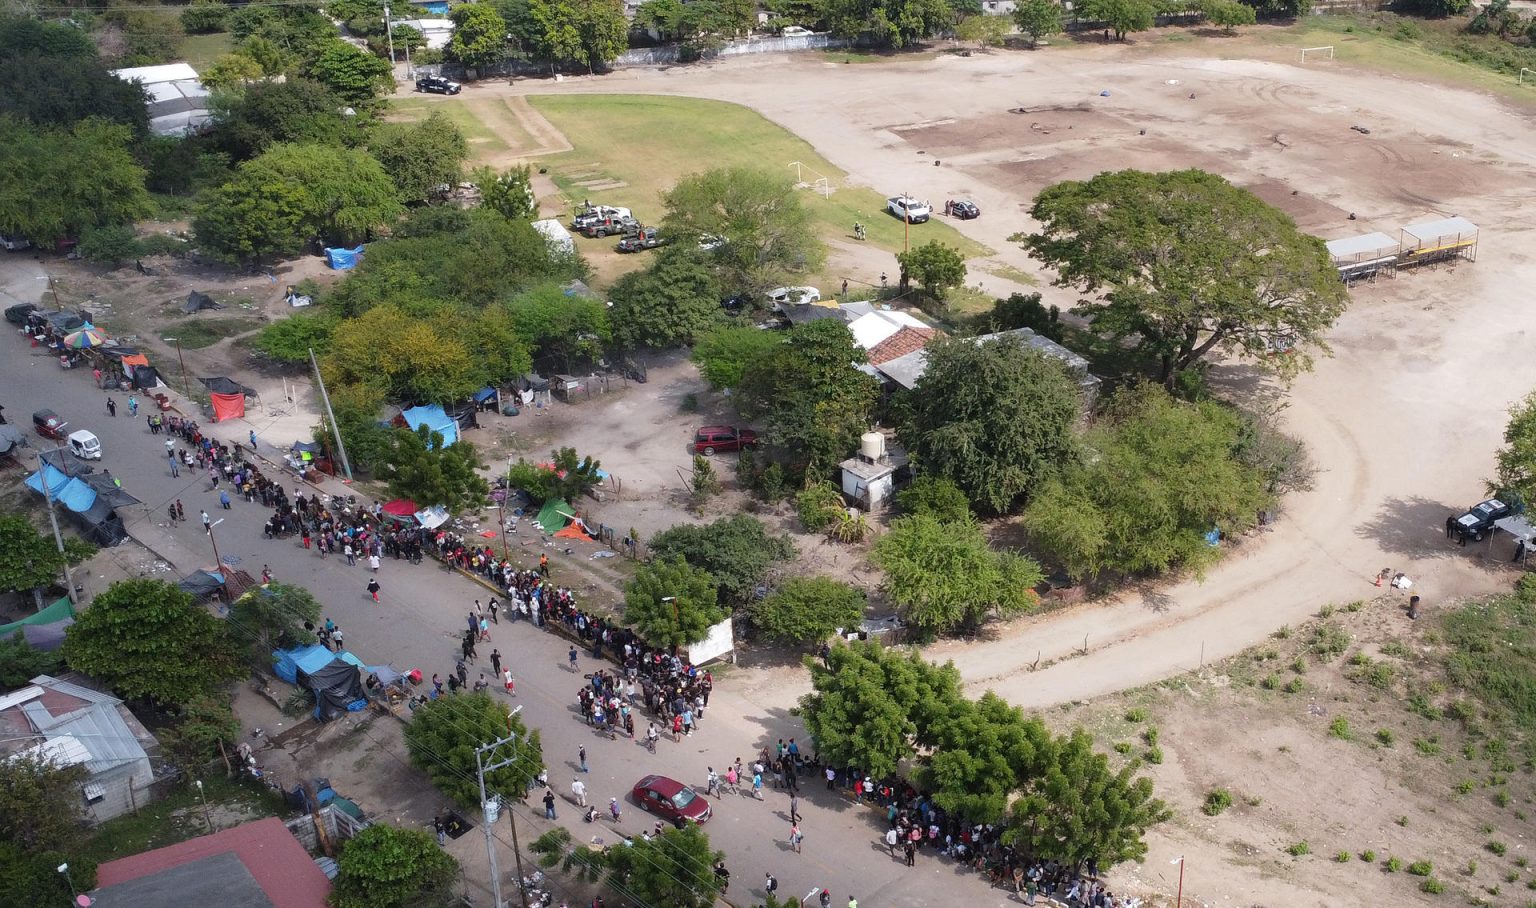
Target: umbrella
column 86, row 338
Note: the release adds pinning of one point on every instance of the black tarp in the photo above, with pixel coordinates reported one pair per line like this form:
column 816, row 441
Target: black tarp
column 107, row 491
column 65, row 462
column 145, row 378
column 101, row 524
column 197, row 301
column 222, row 385
column 200, row 584
column 46, row 637
column 533, row 381
column 336, row 687
column 117, row 351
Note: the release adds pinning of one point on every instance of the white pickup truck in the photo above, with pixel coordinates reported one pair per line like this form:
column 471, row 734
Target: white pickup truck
column 909, row 209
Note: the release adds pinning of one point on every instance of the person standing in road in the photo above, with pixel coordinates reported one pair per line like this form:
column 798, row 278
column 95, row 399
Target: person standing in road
column 224, row 500
column 581, row 758
column 769, row 883
column 722, row 876
column 794, row 808
column 579, row 792
column 572, row 657
column 795, row 837
column 133, row 406
column 373, row 588
column 180, row 513
column 373, row 562
column 543, row 565
column 111, row 407
column 253, row 440
column 853, row 902
column 549, row 805
column 207, row 521
column 826, row 897
column 831, row 778
column 909, row 849
column 890, row 840
column 175, row 467
column 506, row 681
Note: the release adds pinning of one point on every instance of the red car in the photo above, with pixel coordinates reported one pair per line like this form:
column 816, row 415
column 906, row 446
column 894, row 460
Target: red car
column 710, row 439
column 671, row 799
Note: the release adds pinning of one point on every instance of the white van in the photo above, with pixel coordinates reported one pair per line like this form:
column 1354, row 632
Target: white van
column 84, row 445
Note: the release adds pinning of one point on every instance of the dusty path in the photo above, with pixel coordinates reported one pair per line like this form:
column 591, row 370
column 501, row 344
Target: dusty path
column 1403, row 420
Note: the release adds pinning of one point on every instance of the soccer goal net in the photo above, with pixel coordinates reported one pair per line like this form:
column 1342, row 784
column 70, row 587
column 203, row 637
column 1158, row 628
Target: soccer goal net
column 1308, row 53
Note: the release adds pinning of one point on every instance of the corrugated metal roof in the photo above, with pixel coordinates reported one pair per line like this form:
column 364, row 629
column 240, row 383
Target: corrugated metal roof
column 1427, row 231
column 96, row 724
column 1368, row 243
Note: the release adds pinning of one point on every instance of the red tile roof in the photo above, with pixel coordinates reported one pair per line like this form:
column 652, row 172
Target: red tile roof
column 907, row 340
column 280, row 865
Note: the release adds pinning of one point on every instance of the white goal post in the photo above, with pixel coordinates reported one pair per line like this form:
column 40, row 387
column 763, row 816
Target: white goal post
column 1527, row 71
column 1326, row 49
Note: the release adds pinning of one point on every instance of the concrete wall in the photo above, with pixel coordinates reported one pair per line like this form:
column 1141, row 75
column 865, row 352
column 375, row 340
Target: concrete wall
column 127, row 788
column 338, row 826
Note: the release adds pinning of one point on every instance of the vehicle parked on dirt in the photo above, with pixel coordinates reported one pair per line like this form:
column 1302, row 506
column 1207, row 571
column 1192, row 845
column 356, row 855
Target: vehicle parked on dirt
column 793, row 296
column 963, row 209
column 643, row 239
column 48, row 424
column 669, row 798
column 909, row 209
column 593, row 214
column 624, row 226
column 14, row 243
column 1479, row 519
column 437, row 85
column 711, row 439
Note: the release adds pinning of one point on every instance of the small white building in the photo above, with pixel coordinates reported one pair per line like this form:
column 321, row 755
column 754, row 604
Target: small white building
column 869, row 479
column 72, row 725
column 556, row 236
column 436, row 32
column 178, row 101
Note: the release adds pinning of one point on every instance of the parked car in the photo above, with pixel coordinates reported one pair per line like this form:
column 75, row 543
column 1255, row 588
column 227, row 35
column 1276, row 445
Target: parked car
column 708, row 242
column 909, row 209
column 710, row 439
column 793, row 296
column 14, row 243
column 17, row 314
column 84, row 445
column 437, row 85
column 643, row 239
column 592, row 214
column 796, row 31
column 964, row 209
column 624, row 226
column 671, row 799
column 1478, row 521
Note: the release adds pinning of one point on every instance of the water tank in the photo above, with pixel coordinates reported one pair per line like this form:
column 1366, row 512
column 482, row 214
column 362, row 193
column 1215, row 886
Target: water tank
column 872, row 446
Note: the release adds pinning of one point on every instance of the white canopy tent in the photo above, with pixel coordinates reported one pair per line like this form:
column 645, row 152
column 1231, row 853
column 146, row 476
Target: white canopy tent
column 1522, row 530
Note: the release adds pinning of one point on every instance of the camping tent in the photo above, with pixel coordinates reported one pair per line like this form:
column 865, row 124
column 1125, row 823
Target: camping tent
column 401, row 509
column 435, row 419
column 197, row 302
column 343, row 259
column 555, row 514
column 221, row 385
column 201, row 583
column 145, row 378
column 227, row 406
column 331, row 677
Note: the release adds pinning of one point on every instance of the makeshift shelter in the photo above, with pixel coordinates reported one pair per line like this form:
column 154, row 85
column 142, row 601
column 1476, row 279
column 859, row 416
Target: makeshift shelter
column 65, row 462
column 59, row 611
column 145, row 378
column 227, row 406
column 221, row 385
column 331, row 677
column 1363, row 257
column 555, row 514
column 201, row 584
column 1521, row 529
column 435, row 419
column 433, row 517
column 343, row 259
column 1439, row 240
column 91, row 510
column 401, row 509
column 198, row 301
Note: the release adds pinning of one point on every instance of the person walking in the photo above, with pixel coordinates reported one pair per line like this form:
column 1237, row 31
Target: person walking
column 133, row 406
column 794, row 808
column 722, row 876
column 175, row 466
column 581, row 757
column 543, row 565
column 496, row 661
column 795, row 837
column 831, row 778
column 826, row 897
column 769, row 883
column 207, row 521
column 506, row 681
column 910, row 851
column 373, row 562
column 224, row 500
column 462, row 670
column 757, row 784
column 346, row 551
column 111, row 407
column 253, row 440
column 180, row 513
column 579, row 792
column 373, row 588
column 549, row 805
column 572, row 657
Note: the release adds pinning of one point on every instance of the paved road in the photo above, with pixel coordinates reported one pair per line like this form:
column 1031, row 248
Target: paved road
column 416, row 625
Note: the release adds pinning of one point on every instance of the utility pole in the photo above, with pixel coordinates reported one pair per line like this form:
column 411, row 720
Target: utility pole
column 185, row 389
column 490, row 809
column 218, row 563
column 389, row 29
column 335, row 429
column 53, row 519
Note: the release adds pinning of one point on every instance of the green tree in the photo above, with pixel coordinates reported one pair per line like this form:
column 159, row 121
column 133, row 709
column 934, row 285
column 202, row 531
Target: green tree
column 425, row 159
column 815, row 402
column 479, row 35
column 565, row 329
column 545, row 483
column 294, row 193
column 669, row 304
column 423, row 469
column 1037, row 19
column 1165, row 473
column 205, row 723
column 91, row 175
column 1120, row 16
column 890, row 23
column 272, row 616
column 558, row 848
column 723, row 354
column 672, row 604
column 20, row 662
column 204, row 17
column 737, row 551
column 935, row 495
column 230, row 71
column 604, row 31
column 1227, row 13
column 108, row 245
column 404, row 357
column 986, row 749
column 79, row 84
column 30, row 878
column 1515, row 462
column 1074, row 808
column 808, row 609
column 1188, row 264
column 944, row 577
column 356, row 76
column 1021, row 310
column 441, row 738
column 767, row 232
column 386, row 866
column 29, row 560
column 289, row 340
column 554, row 32
column 994, row 417
column 936, row 267
column 148, row 640
column 872, row 708
column 986, row 31
column 510, row 193
column 675, row 868
column 299, row 31
column 257, row 116
column 40, row 803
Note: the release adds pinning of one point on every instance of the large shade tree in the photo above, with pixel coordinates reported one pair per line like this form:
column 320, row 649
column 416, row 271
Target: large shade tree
column 767, row 232
column 1184, row 264
column 1516, row 461
column 442, row 737
column 994, row 417
column 672, row 604
column 386, row 866
column 815, row 402
column 737, row 551
column 943, row 576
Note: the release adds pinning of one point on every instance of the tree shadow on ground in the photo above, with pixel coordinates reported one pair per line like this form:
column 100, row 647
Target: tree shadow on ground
column 1412, row 527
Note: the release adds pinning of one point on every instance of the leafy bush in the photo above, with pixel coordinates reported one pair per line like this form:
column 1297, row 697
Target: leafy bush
column 1339, row 728
column 1385, row 737
column 1216, row 801
column 934, row 495
column 818, row 505
column 1154, row 755
column 1150, row 735
column 1496, row 847
column 1298, row 849
column 1368, row 856
column 1432, row 886
column 1270, row 681
column 1295, row 686
column 1421, row 868
column 1136, row 714
column 1123, row 747
column 1342, row 857
column 1393, row 865
column 1328, row 640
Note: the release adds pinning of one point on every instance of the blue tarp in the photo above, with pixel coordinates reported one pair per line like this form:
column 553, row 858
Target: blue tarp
column 308, row 659
column 437, row 8
column 435, row 419
column 343, row 259
column 484, row 394
column 72, row 493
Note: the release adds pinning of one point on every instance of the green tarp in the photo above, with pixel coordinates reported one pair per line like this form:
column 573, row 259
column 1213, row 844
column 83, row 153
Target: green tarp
column 56, row 612
column 554, row 515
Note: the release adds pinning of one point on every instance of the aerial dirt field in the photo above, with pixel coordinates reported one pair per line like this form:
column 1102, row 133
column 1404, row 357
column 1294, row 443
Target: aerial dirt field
column 1402, row 420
